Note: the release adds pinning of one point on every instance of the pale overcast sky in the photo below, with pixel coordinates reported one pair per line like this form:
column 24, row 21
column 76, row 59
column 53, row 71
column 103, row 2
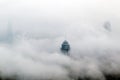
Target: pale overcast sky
column 46, row 15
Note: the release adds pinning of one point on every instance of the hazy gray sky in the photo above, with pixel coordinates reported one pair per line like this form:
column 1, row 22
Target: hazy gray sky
column 47, row 14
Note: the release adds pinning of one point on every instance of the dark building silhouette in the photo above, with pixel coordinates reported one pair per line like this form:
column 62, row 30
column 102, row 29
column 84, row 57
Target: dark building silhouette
column 65, row 47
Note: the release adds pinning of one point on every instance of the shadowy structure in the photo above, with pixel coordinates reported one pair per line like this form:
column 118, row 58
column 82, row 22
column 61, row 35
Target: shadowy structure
column 65, row 47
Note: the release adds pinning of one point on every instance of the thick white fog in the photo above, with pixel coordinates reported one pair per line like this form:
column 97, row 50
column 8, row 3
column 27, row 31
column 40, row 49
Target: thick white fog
column 31, row 33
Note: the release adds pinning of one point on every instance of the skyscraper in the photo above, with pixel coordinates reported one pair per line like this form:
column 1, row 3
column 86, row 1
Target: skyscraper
column 65, row 47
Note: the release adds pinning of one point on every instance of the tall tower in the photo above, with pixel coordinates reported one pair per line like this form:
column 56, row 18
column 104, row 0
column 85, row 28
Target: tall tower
column 65, row 47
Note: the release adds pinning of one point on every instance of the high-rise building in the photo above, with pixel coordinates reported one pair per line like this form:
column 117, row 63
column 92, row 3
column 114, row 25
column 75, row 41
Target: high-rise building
column 65, row 47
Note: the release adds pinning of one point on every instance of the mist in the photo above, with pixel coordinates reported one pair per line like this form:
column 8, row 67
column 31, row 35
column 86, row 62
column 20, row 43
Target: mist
column 32, row 31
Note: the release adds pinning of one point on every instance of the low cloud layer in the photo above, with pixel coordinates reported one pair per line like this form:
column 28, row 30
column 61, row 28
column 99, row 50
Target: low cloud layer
column 94, row 52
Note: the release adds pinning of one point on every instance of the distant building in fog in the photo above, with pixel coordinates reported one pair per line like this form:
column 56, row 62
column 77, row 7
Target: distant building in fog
column 7, row 36
column 107, row 26
column 65, row 47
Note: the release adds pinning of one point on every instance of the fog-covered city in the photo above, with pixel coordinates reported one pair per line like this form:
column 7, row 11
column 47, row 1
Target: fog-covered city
column 59, row 40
